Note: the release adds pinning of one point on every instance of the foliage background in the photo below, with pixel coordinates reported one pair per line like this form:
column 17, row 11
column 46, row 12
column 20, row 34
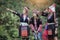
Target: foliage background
column 9, row 23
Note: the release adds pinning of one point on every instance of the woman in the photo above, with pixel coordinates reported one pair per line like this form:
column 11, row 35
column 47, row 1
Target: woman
column 36, row 26
column 50, row 23
column 24, row 19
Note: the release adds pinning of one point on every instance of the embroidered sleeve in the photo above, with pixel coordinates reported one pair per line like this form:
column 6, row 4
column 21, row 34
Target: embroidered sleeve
column 18, row 14
column 44, row 14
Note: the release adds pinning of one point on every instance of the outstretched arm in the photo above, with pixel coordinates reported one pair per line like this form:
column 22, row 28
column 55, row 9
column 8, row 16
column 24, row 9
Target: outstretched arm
column 10, row 10
column 44, row 13
column 14, row 12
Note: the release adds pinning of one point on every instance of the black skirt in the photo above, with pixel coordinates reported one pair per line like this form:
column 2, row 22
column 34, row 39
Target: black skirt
column 28, row 29
column 51, row 27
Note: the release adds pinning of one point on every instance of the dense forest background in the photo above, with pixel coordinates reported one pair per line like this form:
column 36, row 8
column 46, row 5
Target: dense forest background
column 9, row 23
column 58, row 16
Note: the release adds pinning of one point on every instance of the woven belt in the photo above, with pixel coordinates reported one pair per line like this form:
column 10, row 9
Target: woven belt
column 50, row 23
column 23, row 24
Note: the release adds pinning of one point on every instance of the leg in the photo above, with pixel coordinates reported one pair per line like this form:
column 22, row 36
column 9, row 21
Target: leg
column 55, row 38
column 35, row 36
column 27, row 38
column 40, row 35
column 53, row 31
column 19, row 31
column 56, row 35
column 23, row 38
column 50, row 37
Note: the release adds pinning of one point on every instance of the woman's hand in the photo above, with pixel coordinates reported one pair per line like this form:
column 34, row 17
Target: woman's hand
column 7, row 8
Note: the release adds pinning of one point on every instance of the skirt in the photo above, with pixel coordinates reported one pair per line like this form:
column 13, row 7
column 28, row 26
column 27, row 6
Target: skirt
column 51, row 30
